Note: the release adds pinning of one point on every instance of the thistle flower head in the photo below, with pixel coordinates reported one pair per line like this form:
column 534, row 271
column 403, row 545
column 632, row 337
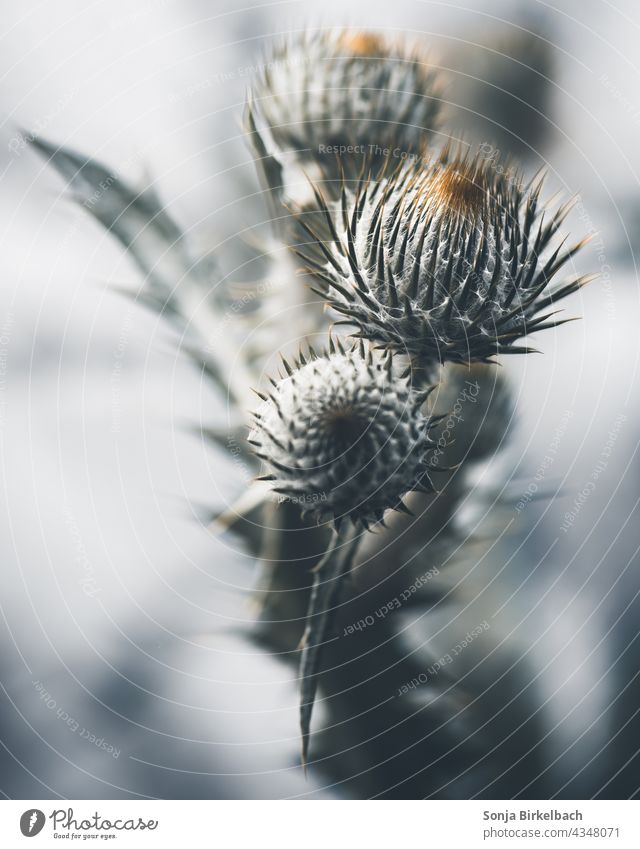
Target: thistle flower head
column 451, row 261
column 343, row 435
column 341, row 91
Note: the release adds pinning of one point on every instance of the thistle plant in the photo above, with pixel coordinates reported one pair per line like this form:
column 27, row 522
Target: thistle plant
column 439, row 264
column 451, row 261
column 326, row 100
column 343, row 436
column 323, row 105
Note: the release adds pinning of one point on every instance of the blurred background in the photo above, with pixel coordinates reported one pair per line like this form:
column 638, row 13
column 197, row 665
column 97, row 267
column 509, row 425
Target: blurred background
column 130, row 667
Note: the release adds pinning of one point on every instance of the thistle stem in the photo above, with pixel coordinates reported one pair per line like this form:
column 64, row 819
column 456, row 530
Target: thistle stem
column 329, row 577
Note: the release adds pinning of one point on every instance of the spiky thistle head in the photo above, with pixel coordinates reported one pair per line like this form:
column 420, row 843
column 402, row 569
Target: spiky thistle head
column 343, row 435
column 451, row 261
column 342, row 91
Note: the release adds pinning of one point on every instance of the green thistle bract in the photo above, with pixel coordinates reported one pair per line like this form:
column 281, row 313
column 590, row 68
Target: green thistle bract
column 448, row 262
column 343, row 436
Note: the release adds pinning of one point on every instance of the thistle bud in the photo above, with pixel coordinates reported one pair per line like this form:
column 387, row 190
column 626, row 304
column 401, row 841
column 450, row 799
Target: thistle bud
column 343, row 435
column 449, row 262
column 341, row 93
